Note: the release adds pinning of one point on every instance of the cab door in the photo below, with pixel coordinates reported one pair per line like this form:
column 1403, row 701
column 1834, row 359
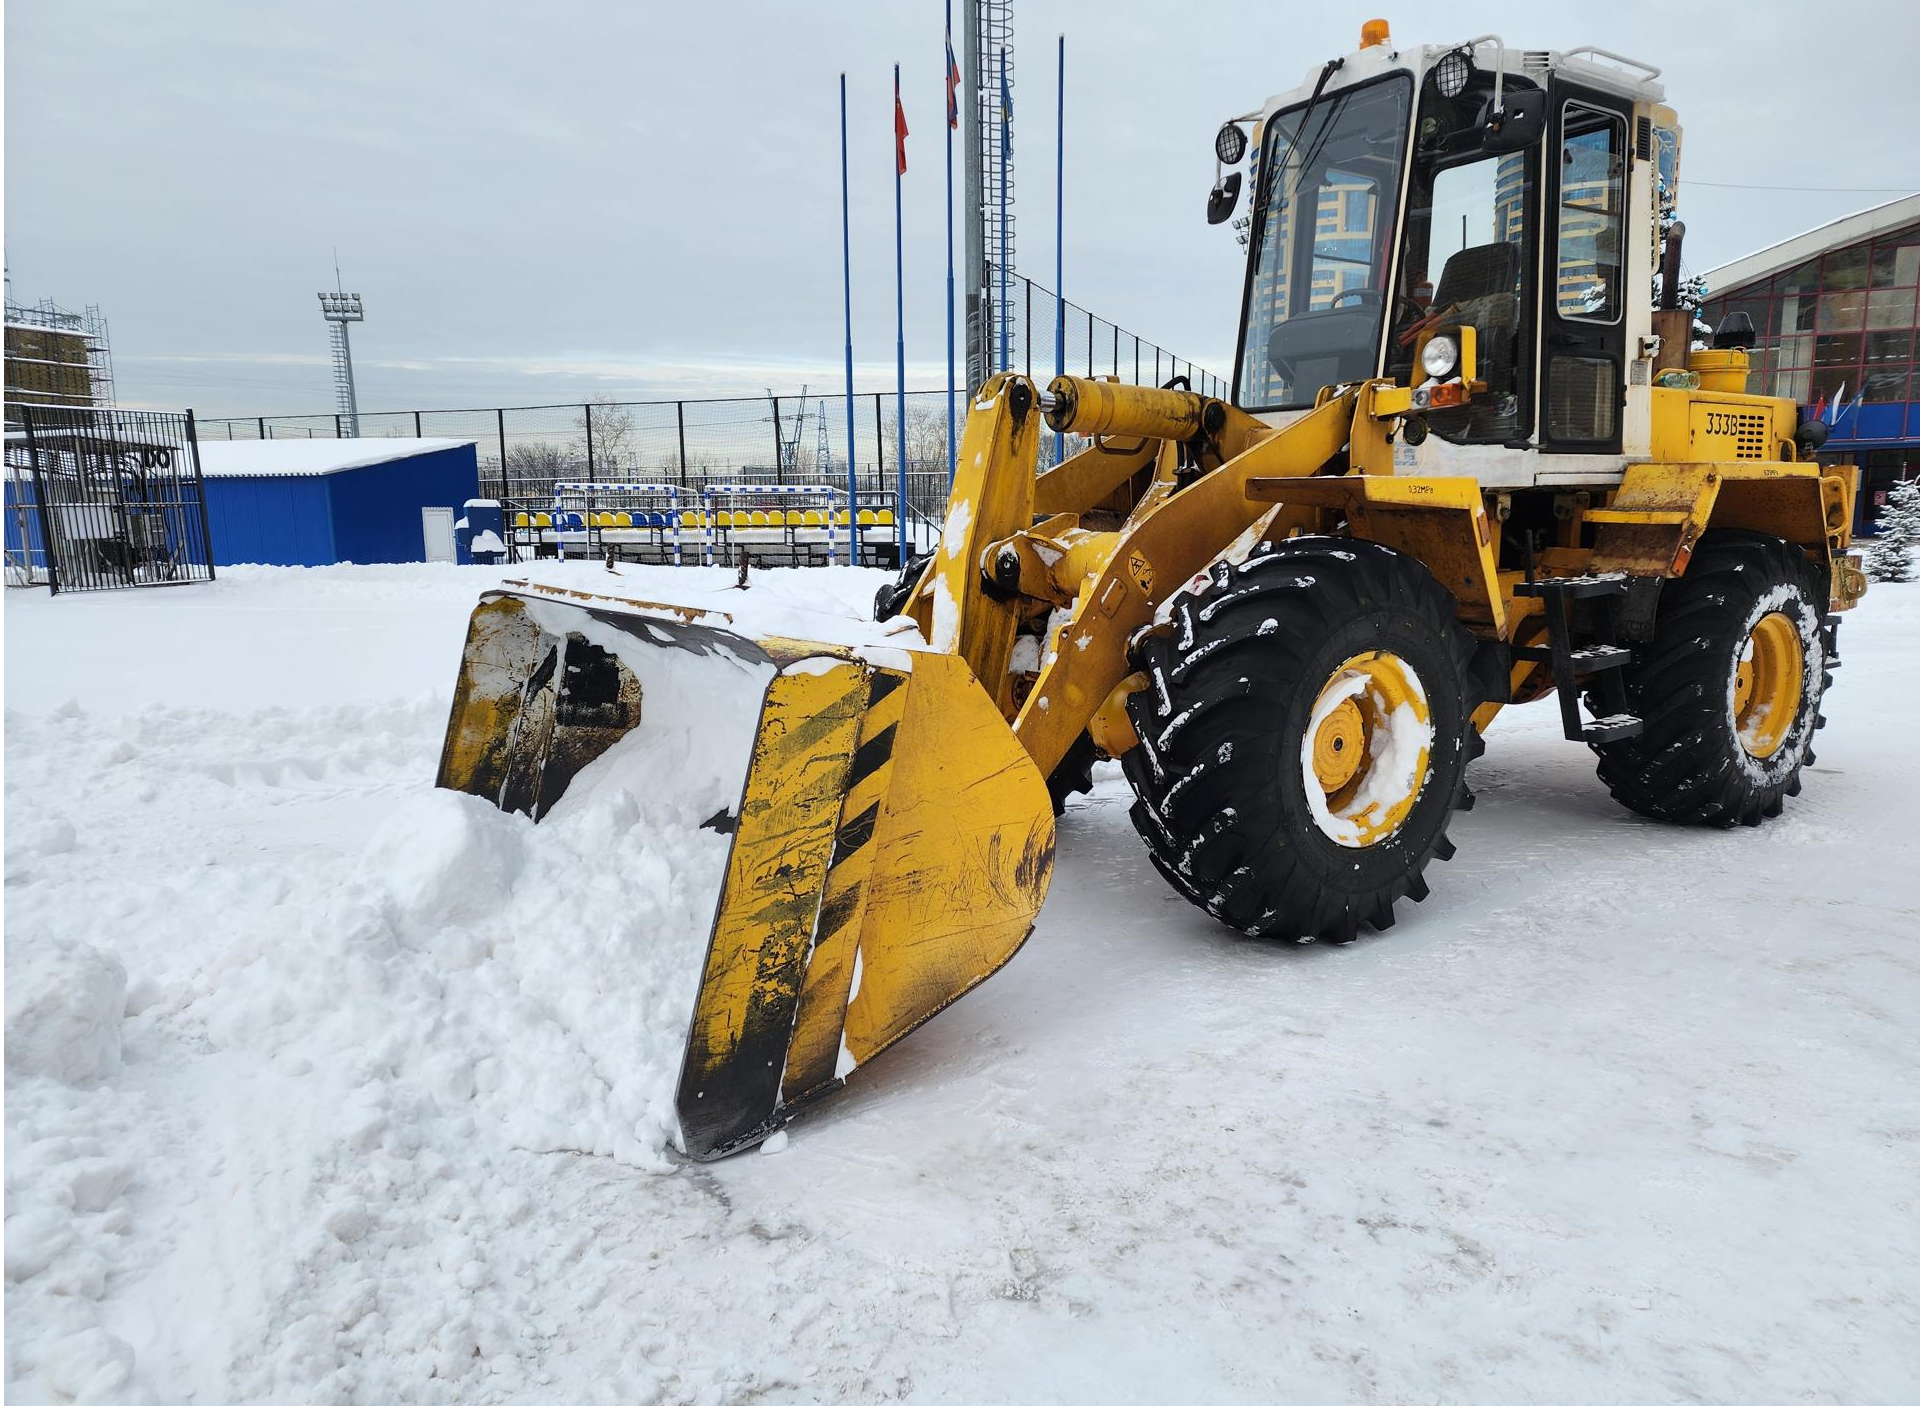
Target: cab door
column 1584, row 302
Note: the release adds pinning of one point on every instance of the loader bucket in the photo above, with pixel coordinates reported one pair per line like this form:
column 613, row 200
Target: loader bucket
column 891, row 839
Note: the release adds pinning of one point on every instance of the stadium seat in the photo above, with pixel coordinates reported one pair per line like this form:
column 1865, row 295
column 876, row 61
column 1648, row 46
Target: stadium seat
column 542, row 520
column 885, row 517
column 723, row 518
column 522, row 520
column 867, row 518
column 601, row 519
column 689, row 519
column 757, row 517
column 842, row 518
column 812, row 517
column 796, row 518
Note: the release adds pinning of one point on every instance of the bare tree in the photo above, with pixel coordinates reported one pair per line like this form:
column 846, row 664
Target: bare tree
column 607, row 425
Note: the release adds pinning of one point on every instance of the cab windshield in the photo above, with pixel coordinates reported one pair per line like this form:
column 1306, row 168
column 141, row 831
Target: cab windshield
column 1323, row 228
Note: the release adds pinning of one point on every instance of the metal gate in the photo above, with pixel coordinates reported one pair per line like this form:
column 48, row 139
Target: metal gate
column 104, row 499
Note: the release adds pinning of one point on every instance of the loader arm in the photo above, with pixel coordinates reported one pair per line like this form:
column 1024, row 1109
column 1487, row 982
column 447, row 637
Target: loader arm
column 997, row 568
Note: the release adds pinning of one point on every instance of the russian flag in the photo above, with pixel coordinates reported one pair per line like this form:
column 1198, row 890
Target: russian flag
column 953, row 85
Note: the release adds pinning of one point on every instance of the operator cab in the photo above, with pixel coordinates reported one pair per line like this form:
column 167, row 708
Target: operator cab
column 1465, row 202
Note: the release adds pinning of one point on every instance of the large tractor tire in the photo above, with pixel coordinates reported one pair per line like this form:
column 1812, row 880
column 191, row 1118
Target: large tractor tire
column 1729, row 688
column 1304, row 737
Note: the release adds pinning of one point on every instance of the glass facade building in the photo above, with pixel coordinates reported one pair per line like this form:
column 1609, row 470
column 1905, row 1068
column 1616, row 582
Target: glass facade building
column 1836, row 311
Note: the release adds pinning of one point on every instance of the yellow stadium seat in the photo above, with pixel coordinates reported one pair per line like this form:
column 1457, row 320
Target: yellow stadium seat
column 843, row 518
column 603, row 519
column 866, row 517
column 689, row 519
column 543, row 520
column 623, row 519
column 757, row 518
column 796, row 518
column 812, row 517
column 522, row 520
column 723, row 518
column 886, row 517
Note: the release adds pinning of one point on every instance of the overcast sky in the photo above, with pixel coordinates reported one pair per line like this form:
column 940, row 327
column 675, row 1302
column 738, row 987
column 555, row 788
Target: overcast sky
column 542, row 203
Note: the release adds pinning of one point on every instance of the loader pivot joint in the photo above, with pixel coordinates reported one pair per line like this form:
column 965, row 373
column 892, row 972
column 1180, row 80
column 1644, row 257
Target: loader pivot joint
column 1020, row 399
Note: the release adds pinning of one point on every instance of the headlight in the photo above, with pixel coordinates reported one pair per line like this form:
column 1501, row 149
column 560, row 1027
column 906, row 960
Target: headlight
column 1439, row 357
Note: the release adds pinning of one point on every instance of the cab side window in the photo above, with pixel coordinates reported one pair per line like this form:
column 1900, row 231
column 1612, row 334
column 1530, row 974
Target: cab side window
column 1591, row 243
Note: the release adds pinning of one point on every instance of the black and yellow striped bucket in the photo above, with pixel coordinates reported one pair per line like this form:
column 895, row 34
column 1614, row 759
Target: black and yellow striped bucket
column 891, row 846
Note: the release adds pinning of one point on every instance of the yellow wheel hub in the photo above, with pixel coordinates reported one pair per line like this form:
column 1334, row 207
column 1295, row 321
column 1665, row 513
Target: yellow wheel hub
column 1767, row 684
column 1364, row 758
column 1339, row 746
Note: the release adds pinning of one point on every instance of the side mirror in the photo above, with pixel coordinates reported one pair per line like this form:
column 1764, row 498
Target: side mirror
column 1519, row 126
column 1224, row 197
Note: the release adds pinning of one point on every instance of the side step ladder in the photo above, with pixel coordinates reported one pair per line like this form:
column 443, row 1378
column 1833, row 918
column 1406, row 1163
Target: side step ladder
column 1599, row 661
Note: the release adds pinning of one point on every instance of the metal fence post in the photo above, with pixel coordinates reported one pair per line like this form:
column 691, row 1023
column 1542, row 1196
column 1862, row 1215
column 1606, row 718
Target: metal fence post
column 40, row 504
column 261, row 422
column 200, row 490
column 879, row 449
column 336, row 428
column 416, row 425
column 680, row 420
column 1089, row 346
column 1026, row 327
column 500, row 423
column 779, row 445
column 586, row 416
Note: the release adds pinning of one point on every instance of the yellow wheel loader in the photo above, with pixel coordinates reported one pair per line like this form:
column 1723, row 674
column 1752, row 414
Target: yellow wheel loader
column 1473, row 459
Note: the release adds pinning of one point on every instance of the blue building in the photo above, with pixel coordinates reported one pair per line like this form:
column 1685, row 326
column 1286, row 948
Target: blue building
column 1837, row 310
column 313, row 502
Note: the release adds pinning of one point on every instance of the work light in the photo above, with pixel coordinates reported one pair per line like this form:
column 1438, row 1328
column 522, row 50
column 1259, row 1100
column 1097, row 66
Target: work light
column 1229, row 144
column 1450, row 75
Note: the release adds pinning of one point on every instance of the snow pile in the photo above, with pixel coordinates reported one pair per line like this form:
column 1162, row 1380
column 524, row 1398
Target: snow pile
column 351, row 1001
column 65, row 1001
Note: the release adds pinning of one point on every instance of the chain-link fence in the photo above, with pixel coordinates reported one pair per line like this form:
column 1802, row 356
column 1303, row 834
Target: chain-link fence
column 1033, row 318
column 524, row 450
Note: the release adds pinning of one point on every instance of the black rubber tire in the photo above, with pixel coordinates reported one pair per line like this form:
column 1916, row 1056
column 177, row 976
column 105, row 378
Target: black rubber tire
column 1218, row 773
column 1074, row 775
column 889, row 601
column 1688, row 766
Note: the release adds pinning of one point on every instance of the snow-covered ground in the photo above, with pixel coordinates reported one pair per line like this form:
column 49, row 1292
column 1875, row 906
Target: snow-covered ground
column 325, row 1087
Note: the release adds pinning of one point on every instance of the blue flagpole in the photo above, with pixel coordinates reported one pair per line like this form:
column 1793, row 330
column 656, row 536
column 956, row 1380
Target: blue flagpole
column 953, row 448
column 1060, row 240
column 1006, row 150
column 846, row 284
column 900, row 343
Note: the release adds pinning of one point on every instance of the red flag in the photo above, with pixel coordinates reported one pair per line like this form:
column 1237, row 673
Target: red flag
column 899, row 132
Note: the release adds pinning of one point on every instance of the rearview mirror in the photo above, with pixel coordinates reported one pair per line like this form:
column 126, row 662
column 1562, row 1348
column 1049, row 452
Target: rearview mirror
column 1520, row 124
column 1225, row 196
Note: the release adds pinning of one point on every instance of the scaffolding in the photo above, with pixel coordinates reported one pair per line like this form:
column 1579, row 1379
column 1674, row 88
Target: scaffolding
column 56, row 357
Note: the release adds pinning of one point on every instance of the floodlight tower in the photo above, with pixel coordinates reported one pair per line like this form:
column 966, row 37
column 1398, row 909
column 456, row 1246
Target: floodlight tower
column 339, row 308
